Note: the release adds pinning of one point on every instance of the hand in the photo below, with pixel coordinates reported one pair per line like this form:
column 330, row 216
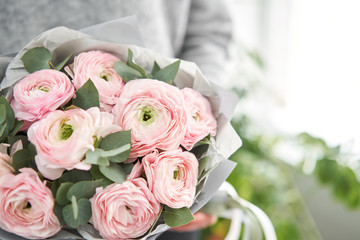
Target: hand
column 201, row 220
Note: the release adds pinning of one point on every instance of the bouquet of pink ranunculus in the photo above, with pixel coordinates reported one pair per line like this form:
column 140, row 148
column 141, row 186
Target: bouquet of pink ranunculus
column 97, row 135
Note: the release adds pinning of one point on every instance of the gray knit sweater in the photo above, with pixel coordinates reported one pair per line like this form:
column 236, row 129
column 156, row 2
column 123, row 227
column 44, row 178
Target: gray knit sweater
column 195, row 30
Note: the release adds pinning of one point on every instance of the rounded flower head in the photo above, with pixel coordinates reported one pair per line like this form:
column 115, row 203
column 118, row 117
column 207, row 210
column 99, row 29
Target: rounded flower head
column 5, row 164
column 39, row 93
column 124, row 211
column 155, row 113
column 26, row 206
column 99, row 67
column 172, row 177
column 201, row 121
column 63, row 137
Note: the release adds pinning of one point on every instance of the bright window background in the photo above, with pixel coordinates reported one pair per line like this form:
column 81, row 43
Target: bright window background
column 311, row 51
column 310, row 82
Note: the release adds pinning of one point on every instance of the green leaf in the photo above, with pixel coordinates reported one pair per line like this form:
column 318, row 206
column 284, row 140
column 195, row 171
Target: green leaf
column 98, row 175
column 204, row 141
column 117, row 151
column 95, row 157
column 326, row 170
column 16, row 128
column 115, row 141
column 9, row 118
column 2, row 130
column 128, row 167
column 61, row 193
column 78, row 213
column 83, row 189
column 125, row 72
column 23, row 138
column 58, row 212
column 114, row 172
column 155, row 69
column 62, row 64
column 22, row 158
column 32, row 150
column 131, row 63
column 75, row 175
column 36, row 59
column 177, row 217
column 202, row 164
column 168, row 73
column 54, row 187
column 87, row 96
column 199, row 150
column 2, row 113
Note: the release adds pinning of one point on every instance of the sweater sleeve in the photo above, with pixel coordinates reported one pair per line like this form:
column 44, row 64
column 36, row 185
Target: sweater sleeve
column 208, row 35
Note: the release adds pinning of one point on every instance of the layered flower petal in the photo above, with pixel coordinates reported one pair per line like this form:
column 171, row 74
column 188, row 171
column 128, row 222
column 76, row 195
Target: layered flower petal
column 63, row 137
column 99, row 67
column 201, row 121
column 26, row 206
column 155, row 113
column 172, row 177
column 39, row 93
column 124, row 211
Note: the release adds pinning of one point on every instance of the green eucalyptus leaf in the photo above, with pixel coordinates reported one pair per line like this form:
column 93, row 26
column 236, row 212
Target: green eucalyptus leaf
column 2, row 131
column 204, row 141
column 199, row 150
column 96, row 157
column 128, row 167
column 132, row 64
column 156, row 68
column 83, row 189
column 61, row 193
column 35, row 59
column 126, row 72
column 62, row 64
column 10, row 118
column 168, row 73
column 75, row 175
column 54, row 187
column 78, row 213
column 32, row 150
column 87, row 96
column 23, row 138
column 202, row 164
column 58, row 212
column 98, row 175
column 114, row 172
column 2, row 113
column 16, row 128
column 117, row 140
column 177, row 217
column 22, row 158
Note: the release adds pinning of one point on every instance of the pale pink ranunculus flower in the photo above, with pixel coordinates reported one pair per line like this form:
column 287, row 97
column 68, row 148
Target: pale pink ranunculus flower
column 155, row 113
column 5, row 164
column 63, row 137
column 26, row 206
column 124, row 211
column 201, row 121
column 99, row 67
column 39, row 93
column 172, row 177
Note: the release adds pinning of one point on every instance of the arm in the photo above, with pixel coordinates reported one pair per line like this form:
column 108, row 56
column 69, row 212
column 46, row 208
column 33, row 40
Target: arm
column 208, row 36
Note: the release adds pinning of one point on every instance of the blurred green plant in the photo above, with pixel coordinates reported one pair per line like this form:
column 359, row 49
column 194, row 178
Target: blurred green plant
column 265, row 178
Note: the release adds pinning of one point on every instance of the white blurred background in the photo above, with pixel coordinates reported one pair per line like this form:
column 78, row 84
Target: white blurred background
column 309, row 51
